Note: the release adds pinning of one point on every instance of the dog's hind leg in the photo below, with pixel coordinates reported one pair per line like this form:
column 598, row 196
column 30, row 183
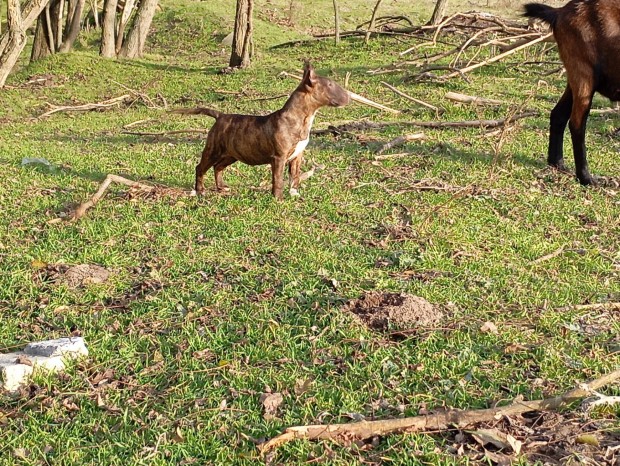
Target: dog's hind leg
column 218, row 169
column 294, row 168
column 209, row 158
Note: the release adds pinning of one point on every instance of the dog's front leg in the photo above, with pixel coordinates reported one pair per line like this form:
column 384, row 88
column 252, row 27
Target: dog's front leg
column 294, row 169
column 277, row 176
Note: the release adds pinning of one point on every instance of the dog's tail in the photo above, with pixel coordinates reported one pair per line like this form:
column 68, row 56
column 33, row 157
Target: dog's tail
column 198, row 111
column 545, row 13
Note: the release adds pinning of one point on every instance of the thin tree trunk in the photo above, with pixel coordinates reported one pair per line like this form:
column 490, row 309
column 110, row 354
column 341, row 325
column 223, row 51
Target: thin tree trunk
column 16, row 40
column 336, row 23
column 40, row 45
column 59, row 22
column 134, row 45
column 49, row 24
column 242, row 46
column 73, row 26
column 438, row 12
column 122, row 24
column 371, row 26
column 108, row 41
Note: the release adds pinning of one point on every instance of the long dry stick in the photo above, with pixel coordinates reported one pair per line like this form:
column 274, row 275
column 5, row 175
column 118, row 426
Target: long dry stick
column 408, row 97
column 85, row 107
column 362, row 125
column 498, row 57
column 471, row 99
column 80, row 211
column 353, row 95
column 438, row 421
column 400, row 140
column 371, row 26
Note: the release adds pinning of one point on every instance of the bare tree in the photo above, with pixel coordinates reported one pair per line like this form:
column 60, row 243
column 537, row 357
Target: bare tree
column 242, row 46
column 438, row 12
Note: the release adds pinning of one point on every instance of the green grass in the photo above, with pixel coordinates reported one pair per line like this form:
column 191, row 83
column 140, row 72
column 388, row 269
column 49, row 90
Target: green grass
column 240, row 277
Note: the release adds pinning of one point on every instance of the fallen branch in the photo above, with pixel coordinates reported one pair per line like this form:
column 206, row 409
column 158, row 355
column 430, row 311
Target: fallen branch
column 408, row 97
column 166, row 133
column 80, row 211
column 398, row 141
column 471, row 99
column 85, row 107
column 498, row 57
column 611, row 306
column 355, row 97
column 436, row 422
column 391, row 156
column 363, row 125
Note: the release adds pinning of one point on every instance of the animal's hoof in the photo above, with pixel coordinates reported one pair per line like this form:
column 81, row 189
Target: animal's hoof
column 193, row 193
column 293, row 192
column 223, row 189
column 606, row 182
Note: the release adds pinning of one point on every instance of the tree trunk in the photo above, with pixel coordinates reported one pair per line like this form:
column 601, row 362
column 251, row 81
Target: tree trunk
column 16, row 40
column 122, row 24
column 73, row 26
column 242, row 46
column 336, row 23
column 438, row 13
column 108, row 28
column 134, row 45
column 49, row 24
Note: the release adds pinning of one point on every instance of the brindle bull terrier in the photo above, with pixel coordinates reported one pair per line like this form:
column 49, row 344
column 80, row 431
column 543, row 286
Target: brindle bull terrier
column 276, row 139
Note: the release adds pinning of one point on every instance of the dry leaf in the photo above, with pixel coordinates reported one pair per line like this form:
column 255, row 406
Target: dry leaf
column 489, row 327
column 514, row 348
column 302, row 386
column 271, row 402
column 492, row 436
column 587, row 439
column 38, row 264
column 177, row 435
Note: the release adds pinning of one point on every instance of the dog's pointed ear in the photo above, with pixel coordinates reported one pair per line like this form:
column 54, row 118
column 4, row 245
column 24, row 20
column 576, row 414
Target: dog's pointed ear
column 309, row 78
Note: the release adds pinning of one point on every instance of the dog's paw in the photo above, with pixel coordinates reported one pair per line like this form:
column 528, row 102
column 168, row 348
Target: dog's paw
column 293, row 192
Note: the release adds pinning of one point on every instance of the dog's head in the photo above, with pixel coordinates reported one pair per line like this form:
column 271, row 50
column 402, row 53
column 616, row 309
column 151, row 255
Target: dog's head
column 324, row 91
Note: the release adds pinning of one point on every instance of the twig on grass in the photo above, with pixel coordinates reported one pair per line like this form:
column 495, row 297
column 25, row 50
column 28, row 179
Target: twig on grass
column 408, row 97
column 165, row 133
column 551, row 255
column 363, row 125
column 80, row 211
column 356, row 97
column 437, row 421
column 471, row 99
column 85, row 107
column 398, row 141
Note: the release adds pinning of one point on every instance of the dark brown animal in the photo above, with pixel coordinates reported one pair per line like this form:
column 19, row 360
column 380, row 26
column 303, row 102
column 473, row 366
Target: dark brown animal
column 588, row 36
column 276, row 139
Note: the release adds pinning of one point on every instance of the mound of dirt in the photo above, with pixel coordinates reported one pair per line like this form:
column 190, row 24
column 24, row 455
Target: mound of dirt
column 85, row 274
column 394, row 311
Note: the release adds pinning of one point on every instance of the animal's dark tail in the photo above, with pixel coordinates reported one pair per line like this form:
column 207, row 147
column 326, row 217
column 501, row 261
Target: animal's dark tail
column 198, row 111
column 545, row 13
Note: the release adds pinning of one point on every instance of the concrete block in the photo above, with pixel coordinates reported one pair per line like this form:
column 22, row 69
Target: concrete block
column 16, row 368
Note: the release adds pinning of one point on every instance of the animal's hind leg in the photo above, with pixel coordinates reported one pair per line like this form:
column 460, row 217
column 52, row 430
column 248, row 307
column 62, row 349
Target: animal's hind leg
column 577, row 126
column 557, row 125
column 218, row 169
column 209, row 158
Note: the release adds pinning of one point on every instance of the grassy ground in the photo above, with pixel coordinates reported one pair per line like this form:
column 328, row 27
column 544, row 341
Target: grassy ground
column 214, row 301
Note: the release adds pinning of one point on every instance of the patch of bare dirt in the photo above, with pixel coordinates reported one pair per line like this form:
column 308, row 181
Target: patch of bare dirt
column 394, row 311
column 74, row 276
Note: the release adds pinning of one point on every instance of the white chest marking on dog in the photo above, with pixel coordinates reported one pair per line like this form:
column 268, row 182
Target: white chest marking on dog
column 301, row 145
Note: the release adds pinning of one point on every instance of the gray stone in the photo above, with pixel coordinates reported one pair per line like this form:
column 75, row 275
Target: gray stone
column 17, row 368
